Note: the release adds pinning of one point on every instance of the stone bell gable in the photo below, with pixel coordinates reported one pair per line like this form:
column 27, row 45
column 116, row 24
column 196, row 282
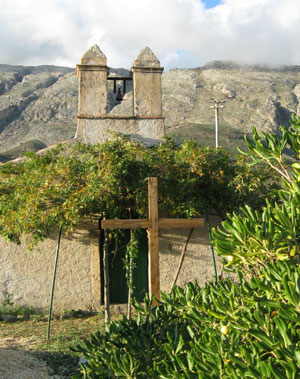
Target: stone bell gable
column 92, row 73
column 144, row 120
column 147, row 84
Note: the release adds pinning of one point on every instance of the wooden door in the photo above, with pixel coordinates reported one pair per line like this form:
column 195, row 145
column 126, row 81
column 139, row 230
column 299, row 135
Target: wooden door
column 118, row 283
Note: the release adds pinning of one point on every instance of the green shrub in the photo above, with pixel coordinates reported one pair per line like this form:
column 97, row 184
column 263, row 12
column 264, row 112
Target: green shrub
column 250, row 238
column 247, row 329
column 70, row 182
column 244, row 329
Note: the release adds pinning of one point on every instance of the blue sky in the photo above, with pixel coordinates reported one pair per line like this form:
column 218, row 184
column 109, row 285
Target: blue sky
column 211, row 3
column 182, row 33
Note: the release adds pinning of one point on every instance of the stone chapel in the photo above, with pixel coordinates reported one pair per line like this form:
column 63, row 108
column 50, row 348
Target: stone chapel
column 79, row 282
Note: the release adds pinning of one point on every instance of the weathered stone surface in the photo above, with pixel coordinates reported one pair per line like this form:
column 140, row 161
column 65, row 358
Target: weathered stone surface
column 125, row 108
column 296, row 93
column 94, row 131
column 92, row 74
column 147, row 84
column 94, row 56
column 147, row 93
column 197, row 264
column 27, row 275
column 92, row 93
column 146, row 58
column 149, row 131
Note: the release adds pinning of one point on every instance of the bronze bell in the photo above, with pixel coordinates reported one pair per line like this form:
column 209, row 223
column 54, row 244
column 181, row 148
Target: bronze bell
column 119, row 96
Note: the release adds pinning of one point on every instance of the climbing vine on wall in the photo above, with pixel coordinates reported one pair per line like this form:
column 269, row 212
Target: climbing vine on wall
column 69, row 182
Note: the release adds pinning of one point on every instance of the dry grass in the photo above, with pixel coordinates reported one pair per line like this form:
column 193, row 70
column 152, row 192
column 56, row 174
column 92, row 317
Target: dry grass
column 30, row 336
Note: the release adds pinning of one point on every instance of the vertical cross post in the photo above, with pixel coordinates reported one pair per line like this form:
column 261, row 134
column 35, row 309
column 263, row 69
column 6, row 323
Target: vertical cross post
column 153, row 240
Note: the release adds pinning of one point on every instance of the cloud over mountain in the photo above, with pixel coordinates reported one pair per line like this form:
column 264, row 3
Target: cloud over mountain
column 183, row 33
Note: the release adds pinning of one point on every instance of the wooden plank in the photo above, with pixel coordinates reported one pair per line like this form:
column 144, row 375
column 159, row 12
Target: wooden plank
column 172, row 223
column 125, row 224
column 153, row 240
column 165, row 223
column 106, row 279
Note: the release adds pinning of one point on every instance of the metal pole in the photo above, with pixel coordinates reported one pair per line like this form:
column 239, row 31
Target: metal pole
column 53, row 281
column 211, row 247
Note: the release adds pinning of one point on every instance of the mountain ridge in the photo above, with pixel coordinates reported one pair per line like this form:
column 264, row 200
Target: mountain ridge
column 39, row 103
column 227, row 65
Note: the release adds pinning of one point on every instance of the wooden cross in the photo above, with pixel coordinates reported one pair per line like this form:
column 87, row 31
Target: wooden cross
column 153, row 224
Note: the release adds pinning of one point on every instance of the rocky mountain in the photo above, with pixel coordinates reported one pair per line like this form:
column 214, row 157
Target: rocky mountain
column 38, row 105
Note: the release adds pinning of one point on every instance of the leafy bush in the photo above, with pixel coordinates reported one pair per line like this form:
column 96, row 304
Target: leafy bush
column 250, row 238
column 247, row 329
column 70, row 182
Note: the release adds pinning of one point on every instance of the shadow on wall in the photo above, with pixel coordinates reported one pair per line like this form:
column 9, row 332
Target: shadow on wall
column 172, row 242
column 84, row 232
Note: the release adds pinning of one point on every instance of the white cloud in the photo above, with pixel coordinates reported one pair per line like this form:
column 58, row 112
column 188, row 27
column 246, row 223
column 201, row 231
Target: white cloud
column 254, row 31
column 182, row 33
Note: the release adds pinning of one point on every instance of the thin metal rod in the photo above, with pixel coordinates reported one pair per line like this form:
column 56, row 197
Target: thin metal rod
column 53, row 281
column 211, row 247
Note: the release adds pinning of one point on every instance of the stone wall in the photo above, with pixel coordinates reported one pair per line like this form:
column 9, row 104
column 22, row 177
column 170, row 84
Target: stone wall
column 98, row 130
column 27, row 275
column 197, row 264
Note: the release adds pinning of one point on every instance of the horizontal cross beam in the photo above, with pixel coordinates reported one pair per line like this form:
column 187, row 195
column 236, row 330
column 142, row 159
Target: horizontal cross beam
column 163, row 223
column 125, row 224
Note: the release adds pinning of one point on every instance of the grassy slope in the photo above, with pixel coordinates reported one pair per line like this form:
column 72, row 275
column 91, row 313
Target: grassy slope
column 204, row 134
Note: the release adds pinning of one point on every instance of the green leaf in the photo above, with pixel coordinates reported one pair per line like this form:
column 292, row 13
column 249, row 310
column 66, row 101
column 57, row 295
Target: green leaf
column 180, row 345
column 262, row 337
